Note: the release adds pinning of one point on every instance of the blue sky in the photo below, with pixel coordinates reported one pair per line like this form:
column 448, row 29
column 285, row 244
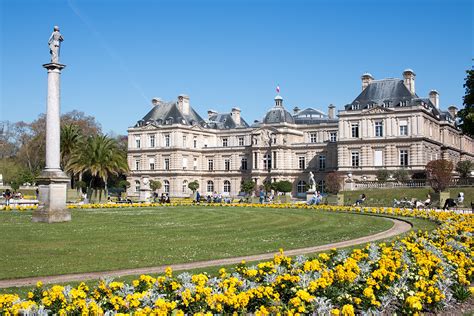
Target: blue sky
column 120, row 54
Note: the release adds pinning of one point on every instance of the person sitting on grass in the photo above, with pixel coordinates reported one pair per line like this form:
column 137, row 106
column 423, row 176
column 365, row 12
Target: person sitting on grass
column 360, row 200
column 452, row 202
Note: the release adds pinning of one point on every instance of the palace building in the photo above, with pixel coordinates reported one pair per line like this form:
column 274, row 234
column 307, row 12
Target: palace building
column 387, row 126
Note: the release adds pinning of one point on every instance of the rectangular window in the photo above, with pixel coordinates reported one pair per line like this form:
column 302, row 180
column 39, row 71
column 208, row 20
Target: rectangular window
column 404, row 157
column 137, row 164
column 378, row 129
column 151, row 162
column 195, row 142
column 378, row 157
column 227, row 164
column 244, row 163
column 332, row 136
column 195, row 163
column 312, row 137
column 185, row 163
column 355, row 130
column 403, row 128
column 167, row 140
column 184, row 142
column 301, row 162
column 224, row 142
column 322, row 162
column 137, row 142
column 167, row 164
column 255, row 160
column 241, row 141
column 152, row 141
column 355, row 159
column 210, row 164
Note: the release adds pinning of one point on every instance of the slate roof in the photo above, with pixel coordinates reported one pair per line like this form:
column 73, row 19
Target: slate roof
column 383, row 91
column 169, row 112
column 225, row 121
column 278, row 114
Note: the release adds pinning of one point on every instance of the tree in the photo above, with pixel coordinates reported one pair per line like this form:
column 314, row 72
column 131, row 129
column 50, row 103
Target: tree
column 467, row 114
column 247, row 186
column 98, row 155
column 193, row 186
column 401, row 175
column 464, row 168
column 284, row 186
column 70, row 139
column 382, row 175
column 439, row 173
column 333, row 182
column 155, row 185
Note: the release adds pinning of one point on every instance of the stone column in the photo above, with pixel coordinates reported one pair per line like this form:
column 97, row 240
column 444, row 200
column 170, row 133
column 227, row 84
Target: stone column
column 52, row 182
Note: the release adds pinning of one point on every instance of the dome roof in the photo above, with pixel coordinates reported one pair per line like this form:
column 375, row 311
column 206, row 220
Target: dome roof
column 278, row 114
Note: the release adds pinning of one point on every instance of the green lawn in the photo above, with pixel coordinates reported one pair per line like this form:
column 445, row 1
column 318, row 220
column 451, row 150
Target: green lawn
column 108, row 239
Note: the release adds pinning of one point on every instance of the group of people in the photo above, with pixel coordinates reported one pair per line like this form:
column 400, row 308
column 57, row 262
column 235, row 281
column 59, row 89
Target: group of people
column 265, row 197
column 316, row 199
column 165, row 198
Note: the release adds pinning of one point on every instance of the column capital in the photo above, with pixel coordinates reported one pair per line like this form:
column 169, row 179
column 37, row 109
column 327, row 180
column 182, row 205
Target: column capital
column 54, row 66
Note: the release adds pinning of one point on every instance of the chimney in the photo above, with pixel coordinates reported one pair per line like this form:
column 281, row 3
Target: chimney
column 331, row 111
column 156, row 101
column 210, row 113
column 434, row 98
column 409, row 80
column 235, row 114
column 296, row 110
column 183, row 104
column 366, row 80
column 453, row 110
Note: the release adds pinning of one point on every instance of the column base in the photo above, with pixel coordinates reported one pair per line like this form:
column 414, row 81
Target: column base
column 52, row 187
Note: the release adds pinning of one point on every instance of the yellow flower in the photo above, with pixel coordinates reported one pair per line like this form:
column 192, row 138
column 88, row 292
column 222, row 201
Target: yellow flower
column 348, row 310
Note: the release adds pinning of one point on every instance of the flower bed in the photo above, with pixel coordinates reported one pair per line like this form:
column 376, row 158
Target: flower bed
column 420, row 272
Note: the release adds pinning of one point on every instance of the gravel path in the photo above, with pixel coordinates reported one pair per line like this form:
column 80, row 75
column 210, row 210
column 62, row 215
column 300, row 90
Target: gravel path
column 399, row 227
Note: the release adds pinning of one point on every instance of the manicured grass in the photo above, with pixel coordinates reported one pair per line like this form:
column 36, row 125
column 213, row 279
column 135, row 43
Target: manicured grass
column 109, row 239
column 384, row 197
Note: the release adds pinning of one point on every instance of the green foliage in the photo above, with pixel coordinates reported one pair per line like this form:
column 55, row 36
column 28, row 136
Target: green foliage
column 439, row 173
column 333, row 182
column 467, row 114
column 284, row 186
column 100, row 156
column 401, row 175
column 155, row 185
column 460, row 292
column 81, row 184
column 193, row 185
column 464, row 168
column 268, row 185
column 247, row 186
column 382, row 175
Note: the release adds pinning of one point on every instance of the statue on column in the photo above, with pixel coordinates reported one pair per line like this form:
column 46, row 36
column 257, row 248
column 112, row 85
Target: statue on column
column 54, row 44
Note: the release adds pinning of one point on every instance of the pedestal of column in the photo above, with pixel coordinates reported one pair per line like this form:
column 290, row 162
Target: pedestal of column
column 52, row 182
column 310, row 194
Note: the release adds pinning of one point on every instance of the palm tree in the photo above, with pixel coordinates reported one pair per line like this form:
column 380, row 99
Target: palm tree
column 100, row 156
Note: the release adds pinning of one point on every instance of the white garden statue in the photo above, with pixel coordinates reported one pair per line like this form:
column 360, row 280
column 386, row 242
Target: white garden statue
column 312, row 182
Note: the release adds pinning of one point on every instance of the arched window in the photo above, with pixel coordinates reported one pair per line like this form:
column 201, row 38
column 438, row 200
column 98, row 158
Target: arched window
column 301, row 186
column 166, row 186
column 321, row 186
column 227, row 186
column 137, row 186
column 210, row 186
column 185, row 186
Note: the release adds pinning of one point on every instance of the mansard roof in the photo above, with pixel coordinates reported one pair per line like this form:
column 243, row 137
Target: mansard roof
column 169, row 113
column 225, row 121
column 380, row 92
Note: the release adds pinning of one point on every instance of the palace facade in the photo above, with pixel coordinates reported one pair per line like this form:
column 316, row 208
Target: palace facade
column 387, row 126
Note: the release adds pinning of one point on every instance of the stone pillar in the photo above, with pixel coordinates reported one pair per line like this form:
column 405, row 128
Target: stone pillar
column 145, row 190
column 52, row 182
